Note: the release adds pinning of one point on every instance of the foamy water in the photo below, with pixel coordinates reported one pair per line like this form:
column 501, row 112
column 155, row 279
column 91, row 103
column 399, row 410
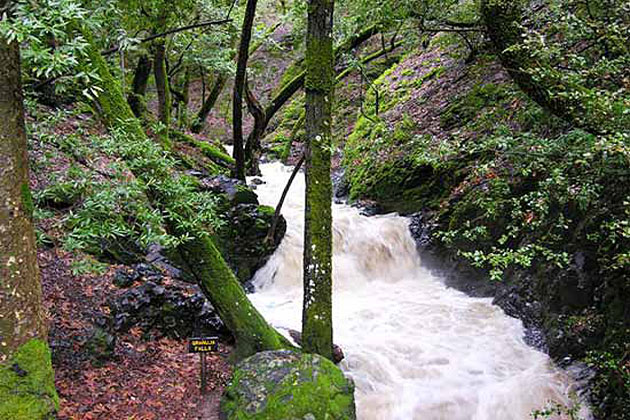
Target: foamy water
column 415, row 348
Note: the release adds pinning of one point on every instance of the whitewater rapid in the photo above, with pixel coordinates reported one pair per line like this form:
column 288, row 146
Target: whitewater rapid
column 415, row 348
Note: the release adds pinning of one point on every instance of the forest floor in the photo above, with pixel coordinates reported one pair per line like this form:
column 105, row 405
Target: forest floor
column 145, row 379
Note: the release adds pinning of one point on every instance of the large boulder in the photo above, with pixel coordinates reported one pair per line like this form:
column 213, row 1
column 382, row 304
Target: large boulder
column 288, row 385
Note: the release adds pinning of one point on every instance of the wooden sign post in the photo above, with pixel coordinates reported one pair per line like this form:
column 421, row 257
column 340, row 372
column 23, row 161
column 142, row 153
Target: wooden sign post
column 203, row 345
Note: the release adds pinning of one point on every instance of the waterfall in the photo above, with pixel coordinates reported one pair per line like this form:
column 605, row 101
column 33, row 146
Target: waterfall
column 415, row 348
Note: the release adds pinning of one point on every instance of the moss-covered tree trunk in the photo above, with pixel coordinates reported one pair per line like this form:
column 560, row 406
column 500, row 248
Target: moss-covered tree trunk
column 161, row 85
column 136, row 97
column 317, row 328
column 211, row 100
column 239, row 88
column 200, row 254
column 23, row 346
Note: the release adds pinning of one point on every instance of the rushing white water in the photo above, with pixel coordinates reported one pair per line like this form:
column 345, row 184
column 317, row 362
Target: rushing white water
column 415, row 348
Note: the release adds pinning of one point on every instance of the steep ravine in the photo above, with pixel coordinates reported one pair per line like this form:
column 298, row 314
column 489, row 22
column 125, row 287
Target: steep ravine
column 415, row 348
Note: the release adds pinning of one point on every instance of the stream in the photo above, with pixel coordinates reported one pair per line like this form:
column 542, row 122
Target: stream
column 414, row 348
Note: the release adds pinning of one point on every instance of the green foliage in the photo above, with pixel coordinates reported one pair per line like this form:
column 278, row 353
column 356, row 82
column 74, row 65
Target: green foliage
column 51, row 47
column 571, row 57
column 555, row 409
column 612, row 380
column 528, row 196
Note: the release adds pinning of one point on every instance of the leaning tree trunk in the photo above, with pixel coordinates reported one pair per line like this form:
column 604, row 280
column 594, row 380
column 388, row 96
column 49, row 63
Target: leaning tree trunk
column 210, row 101
column 200, row 254
column 317, row 310
column 239, row 87
column 505, row 23
column 294, row 85
column 27, row 389
column 136, row 97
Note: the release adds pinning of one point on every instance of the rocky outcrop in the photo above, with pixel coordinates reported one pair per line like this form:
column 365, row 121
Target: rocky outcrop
column 288, row 385
column 162, row 307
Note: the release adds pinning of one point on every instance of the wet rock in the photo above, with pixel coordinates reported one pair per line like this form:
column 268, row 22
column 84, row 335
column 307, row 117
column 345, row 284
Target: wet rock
column 127, row 276
column 420, row 229
column 337, row 355
column 243, row 237
column 235, row 190
column 341, row 186
column 288, row 385
column 176, row 311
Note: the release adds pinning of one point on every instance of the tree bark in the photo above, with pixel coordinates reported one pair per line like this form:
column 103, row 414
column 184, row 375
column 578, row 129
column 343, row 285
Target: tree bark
column 136, row 97
column 239, row 86
column 163, row 91
column 209, row 103
column 253, row 147
column 221, row 287
column 317, row 329
column 23, row 332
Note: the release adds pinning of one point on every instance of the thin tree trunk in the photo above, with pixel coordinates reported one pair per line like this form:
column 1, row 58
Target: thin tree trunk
column 253, row 147
column 221, row 287
column 239, row 86
column 317, row 329
column 208, row 104
column 136, row 97
column 23, row 345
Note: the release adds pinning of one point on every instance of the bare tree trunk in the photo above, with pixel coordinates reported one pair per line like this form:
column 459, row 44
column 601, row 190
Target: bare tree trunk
column 239, row 87
column 253, row 147
column 136, row 97
column 209, row 102
column 23, row 335
column 317, row 328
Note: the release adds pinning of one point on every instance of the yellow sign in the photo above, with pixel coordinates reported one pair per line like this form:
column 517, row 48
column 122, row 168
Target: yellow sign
column 203, row 345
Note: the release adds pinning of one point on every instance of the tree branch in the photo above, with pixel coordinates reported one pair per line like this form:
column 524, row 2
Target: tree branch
column 170, row 32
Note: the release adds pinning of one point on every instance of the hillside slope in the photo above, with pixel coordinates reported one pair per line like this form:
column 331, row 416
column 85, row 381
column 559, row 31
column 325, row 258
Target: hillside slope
column 507, row 191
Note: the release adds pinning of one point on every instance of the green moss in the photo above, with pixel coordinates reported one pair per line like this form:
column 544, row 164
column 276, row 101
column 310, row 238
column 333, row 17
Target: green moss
column 27, row 200
column 27, row 384
column 286, row 385
column 319, row 65
column 211, row 152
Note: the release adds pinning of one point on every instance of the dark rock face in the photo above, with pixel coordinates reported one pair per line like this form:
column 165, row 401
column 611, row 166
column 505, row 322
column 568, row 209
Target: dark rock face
column 127, row 276
column 235, row 190
column 288, row 385
column 172, row 310
column 243, row 238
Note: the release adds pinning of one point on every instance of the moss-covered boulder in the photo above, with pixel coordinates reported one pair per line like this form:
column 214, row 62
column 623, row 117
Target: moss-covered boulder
column 288, row 385
column 243, row 238
column 27, row 390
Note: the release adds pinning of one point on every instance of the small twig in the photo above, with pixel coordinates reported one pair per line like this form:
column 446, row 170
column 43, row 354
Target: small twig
column 276, row 215
column 170, row 32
